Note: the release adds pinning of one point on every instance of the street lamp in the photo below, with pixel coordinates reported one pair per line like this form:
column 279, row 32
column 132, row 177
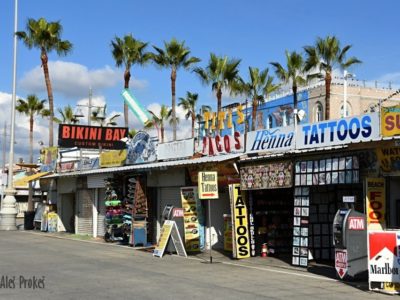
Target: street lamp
column 345, row 76
column 8, row 211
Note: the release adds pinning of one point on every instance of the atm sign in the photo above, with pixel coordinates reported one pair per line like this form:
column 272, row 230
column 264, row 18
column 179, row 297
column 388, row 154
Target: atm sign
column 356, row 223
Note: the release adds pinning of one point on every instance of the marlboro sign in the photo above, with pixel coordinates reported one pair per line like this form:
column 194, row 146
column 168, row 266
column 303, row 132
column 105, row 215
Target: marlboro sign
column 208, row 185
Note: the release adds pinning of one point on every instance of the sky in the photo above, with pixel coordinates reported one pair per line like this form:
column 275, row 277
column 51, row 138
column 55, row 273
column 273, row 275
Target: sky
column 256, row 31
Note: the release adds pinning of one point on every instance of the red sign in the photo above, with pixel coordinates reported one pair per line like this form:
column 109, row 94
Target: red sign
column 356, row 223
column 227, row 144
column 91, row 136
column 177, row 212
column 341, row 262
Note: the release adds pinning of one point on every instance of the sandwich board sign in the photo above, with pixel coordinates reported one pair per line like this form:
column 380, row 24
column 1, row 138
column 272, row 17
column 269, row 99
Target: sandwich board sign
column 208, row 185
column 169, row 229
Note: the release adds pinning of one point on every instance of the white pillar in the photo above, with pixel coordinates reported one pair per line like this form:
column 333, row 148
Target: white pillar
column 8, row 211
column 95, row 212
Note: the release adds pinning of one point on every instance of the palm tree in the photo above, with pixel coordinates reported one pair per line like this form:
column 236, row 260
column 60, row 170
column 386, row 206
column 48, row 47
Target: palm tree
column 189, row 105
column 132, row 133
column 257, row 89
column 67, row 115
column 129, row 51
column 31, row 107
column 325, row 55
column 45, row 36
column 174, row 56
column 158, row 121
column 293, row 74
column 221, row 73
column 99, row 115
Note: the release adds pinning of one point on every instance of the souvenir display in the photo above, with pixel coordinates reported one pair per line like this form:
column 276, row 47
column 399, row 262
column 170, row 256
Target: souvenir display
column 118, row 216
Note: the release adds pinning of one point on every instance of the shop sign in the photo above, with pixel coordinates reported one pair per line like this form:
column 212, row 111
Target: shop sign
column 141, row 149
column 68, row 166
column 267, row 176
column 375, row 203
column 223, row 118
column 88, row 163
column 48, row 158
column 225, row 170
column 113, row 158
column 91, row 136
column 341, row 262
column 52, row 219
column 338, row 132
column 208, row 185
column 177, row 212
column 389, row 159
column 271, row 140
column 356, row 223
column 383, row 256
column 240, row 222
column 164, row 237
column 193, row 219
column 177, row 149
column 222, row 144
column 390, row 120
column 349, row 199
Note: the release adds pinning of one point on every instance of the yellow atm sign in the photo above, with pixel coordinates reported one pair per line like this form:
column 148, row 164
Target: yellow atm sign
column 208, row 185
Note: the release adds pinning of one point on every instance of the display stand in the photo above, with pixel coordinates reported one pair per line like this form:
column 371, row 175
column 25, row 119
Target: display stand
column 139, row 213
column 117, row 220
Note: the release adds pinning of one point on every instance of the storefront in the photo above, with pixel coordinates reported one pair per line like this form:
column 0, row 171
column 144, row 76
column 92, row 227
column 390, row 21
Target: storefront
column 269, row 187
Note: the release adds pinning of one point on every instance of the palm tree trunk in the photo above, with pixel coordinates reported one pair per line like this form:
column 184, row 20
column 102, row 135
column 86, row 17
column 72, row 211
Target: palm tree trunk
column 173, row 87
column 127, row 77
column 294, row 89
column 44, row 59
column 31, row 138
column 219, row 107
column 328, row 80
column 254, row 114
column 193, row 119
column 162, row 134
column 30, row 190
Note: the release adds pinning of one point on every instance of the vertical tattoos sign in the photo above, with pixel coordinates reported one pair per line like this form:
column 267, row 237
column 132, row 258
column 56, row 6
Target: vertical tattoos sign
column 240, row 222
column 375, row 203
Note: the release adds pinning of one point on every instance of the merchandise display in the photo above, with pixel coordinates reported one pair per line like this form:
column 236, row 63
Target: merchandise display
column 118, row 217
column 273, row 223
column 137, row 198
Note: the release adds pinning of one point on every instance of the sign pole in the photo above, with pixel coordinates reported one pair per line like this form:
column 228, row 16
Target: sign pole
column 209, row 229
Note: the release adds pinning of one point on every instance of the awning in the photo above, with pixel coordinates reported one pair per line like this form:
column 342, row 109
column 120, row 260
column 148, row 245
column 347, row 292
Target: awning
column 23, row 182
column 163, row 165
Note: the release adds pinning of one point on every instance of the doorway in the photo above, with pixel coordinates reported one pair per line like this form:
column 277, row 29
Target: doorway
column 67, row 215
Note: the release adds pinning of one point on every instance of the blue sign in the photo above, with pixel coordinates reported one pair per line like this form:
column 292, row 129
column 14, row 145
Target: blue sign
column 271, row 140
column 338, row 132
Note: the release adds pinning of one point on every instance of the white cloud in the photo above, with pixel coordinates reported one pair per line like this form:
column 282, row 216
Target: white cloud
column 73, row 80
column 21, row 129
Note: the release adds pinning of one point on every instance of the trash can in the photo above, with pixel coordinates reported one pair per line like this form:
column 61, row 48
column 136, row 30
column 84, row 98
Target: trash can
column 28, row 220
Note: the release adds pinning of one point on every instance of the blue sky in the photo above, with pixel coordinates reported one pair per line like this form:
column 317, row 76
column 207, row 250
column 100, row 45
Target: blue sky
column 256, row 31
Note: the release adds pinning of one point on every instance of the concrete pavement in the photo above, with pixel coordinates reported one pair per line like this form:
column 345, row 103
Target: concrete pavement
column 74, row 269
